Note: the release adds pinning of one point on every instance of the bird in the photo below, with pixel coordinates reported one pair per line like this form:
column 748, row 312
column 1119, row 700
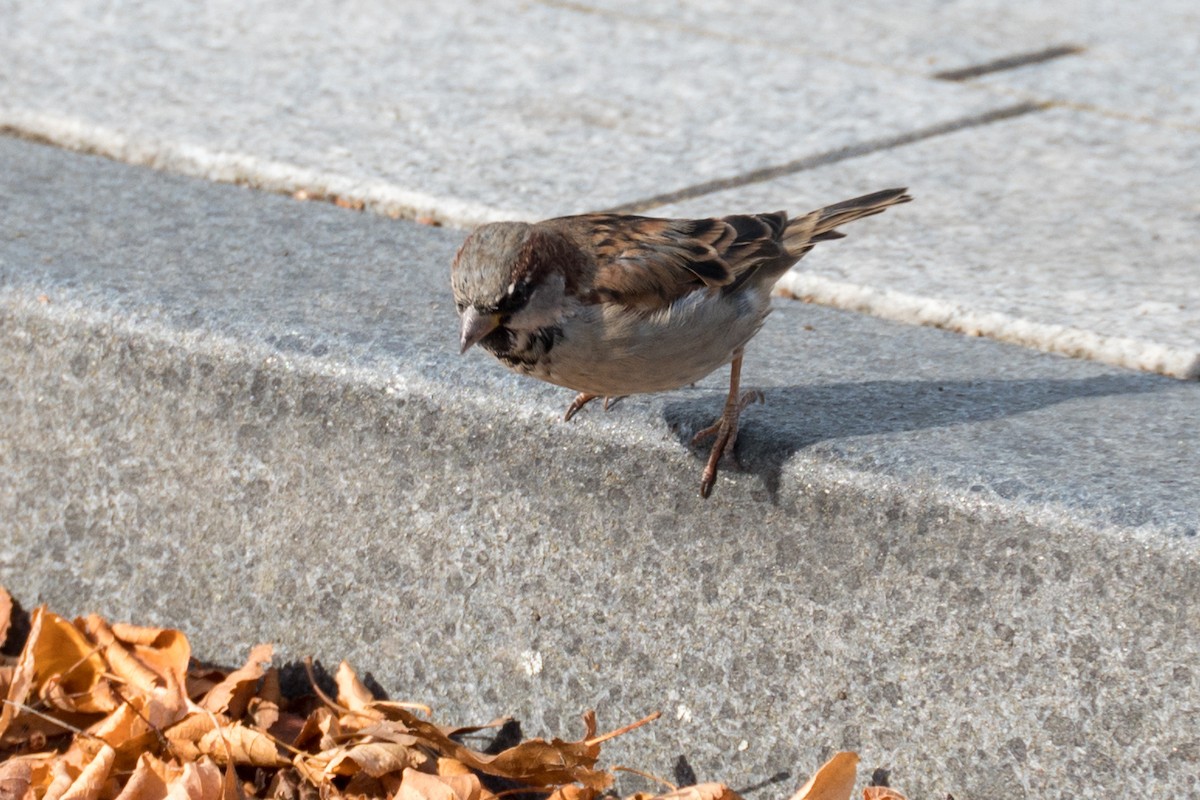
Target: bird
column 611, row 304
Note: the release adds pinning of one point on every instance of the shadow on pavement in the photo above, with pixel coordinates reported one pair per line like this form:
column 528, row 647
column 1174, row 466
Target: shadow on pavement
column 797, row 417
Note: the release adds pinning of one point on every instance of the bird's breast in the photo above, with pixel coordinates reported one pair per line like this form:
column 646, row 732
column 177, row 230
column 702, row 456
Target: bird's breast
column 609, row 349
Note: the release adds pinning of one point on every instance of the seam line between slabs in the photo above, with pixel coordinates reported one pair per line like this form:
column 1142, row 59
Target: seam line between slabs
column 1008, row 62
column 829, row 157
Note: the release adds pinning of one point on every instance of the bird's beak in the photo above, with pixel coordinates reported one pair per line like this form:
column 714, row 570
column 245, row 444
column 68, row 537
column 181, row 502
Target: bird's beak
column 475, row 326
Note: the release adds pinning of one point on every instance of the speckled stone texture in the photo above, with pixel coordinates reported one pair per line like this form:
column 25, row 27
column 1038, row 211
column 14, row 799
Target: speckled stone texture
column 1130, row 62
column 469, row 111
column 245, row 416
column 1134, row 65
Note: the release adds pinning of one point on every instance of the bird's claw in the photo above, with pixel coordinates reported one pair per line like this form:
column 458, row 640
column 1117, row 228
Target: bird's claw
column 583, row 398
column 726, row 431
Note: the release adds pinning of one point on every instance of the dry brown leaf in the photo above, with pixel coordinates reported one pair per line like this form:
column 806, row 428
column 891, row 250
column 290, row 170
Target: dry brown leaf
column 375, row 758
column 155, row 687
column 90, row 781
column 201, row 681
column 231, row 787
column 61, row 777
column 31, row 732
column 192, row 727
column 321, row 725
column 287, row 728
column 702, row 791
column 270, row 691
column 882, row 793
column 148, row 781
column 138, row 634
column 121, row 660
column 416, row 785
column 142, row 724
column 16, row 775
column 157, row 671
column 311, row 770
column 126, row 729
column 184, row 736
column 240, row 745
column 233, row 693
column 833, row 781
column 573, row 791
column 198, row 780
column 167, row 651
column 19, row 683
column 388, row 731
column 58, row 656
column 285, row 785
column 311, row 728
column 535, row 762
column 351, row 692
column 6, row 608
column 265, row 714
column 451, row 766
column 542, row 763
column 361, row 785
column 43, row 767
column 100, row 699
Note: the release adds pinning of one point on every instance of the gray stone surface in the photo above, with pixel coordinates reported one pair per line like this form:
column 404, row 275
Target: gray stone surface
column 244, row 415
column 1135, row 65
column 921, row 37
column 468, row 111
column 1062, row 230
column 1133, row 60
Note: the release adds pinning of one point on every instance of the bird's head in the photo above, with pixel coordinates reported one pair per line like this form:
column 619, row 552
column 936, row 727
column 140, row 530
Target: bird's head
column 508, row 276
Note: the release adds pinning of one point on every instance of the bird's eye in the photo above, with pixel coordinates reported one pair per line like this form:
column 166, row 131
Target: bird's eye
column 517, row 296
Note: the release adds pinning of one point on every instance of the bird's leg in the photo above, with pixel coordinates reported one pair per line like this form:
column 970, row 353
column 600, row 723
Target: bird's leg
column 726, row 427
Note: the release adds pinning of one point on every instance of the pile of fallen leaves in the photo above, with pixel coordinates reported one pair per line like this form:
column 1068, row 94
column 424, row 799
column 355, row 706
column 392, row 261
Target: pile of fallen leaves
column 101, row 711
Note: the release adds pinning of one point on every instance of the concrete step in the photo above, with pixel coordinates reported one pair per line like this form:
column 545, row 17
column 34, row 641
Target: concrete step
column 245, row 416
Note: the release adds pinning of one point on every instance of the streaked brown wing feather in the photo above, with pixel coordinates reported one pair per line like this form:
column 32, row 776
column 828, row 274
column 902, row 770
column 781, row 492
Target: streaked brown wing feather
column 648, row 263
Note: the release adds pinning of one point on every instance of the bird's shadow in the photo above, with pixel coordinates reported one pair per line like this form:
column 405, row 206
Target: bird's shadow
column 797, row 417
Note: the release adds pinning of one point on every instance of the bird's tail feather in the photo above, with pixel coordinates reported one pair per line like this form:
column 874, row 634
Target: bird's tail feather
column 818, row 226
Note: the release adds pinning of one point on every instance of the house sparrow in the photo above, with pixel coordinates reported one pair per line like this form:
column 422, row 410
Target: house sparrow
column 611, row 305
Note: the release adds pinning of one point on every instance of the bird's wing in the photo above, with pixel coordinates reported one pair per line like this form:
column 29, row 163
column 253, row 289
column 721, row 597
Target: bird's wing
column 648, row 263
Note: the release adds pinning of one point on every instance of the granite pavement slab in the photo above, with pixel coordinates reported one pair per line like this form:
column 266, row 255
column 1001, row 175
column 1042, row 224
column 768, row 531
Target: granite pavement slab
column 471, row 111
column 924, row 37
column 1134, row 64
column 1109, row 55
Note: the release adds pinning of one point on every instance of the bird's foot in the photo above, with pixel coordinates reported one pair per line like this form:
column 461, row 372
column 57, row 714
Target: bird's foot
column 583, row 398
column 725, row 429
